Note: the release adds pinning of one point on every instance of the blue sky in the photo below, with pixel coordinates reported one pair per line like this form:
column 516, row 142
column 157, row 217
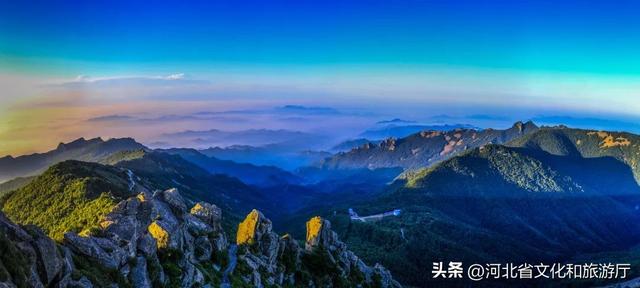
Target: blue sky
column 568, row 36
column 411, row 59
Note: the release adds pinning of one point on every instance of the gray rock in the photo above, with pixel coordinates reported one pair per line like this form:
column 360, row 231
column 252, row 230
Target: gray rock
column 49, row 259
column 147, row 245
column 174, row 199
column 208, row 213
column 87, row 246
column 139, row 274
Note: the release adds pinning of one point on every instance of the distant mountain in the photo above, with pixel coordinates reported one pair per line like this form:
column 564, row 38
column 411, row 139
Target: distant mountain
column 159, row 171
column 549, row 196
column 278, row 155
column 14, row 184
column 92, row 150
column 294, row 140
column 352, row 144
column 247, row 173
column 398, row 129
column 395, row 121
column 423, row 149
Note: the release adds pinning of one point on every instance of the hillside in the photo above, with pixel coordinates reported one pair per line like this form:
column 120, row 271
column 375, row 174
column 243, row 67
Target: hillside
column 159, row 171
column 69, row 196
column 423, row 149
column 247, row 173
column 622, row 146
column 161, row 239
column 92, row 150
column 497, row 204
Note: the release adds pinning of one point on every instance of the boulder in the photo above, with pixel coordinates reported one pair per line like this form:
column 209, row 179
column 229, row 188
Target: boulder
column 208, row 213
column 139, row 274
column 87, row 247
column 174, row 199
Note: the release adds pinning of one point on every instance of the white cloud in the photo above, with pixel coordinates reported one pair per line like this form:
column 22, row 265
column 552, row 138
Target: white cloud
column 178, row 76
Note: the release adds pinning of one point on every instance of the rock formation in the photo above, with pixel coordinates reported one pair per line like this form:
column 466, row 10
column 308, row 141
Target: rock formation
column 156, row 240
column 267, row 260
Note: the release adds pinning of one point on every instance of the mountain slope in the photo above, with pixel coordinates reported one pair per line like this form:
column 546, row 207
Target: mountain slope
column 92, row 150
column 423, row 149
column 247, row 173
column 160, row 171
column 69, row 196
column 622, row 146
column 498, row 204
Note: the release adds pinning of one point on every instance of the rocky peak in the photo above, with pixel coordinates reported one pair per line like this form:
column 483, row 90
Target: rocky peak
column 319, row 234
column 154, row 240
column 269, row 260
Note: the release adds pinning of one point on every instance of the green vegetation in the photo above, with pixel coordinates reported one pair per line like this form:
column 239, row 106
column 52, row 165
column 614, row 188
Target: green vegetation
column 499, row 204
column 69, row 196
column 126, row 155
column 98, row 275
column 169, row 259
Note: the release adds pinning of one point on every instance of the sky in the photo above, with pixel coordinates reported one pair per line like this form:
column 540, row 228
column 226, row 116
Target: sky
column 148, row 69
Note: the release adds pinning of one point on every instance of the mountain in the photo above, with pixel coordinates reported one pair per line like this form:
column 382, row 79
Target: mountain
column 255, row 137
column 161, row 239
column 14, row 184
column 348, row 145
column 247, row 173
column 92, row 150
column 499, row 204
column 279, row 155
column 423, row 149
column 76, row 194
column 565, row 141
column 159, row 171
column 398, row 129
column 92, row 188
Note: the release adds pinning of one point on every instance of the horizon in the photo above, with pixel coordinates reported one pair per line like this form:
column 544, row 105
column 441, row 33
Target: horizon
column 143, row 71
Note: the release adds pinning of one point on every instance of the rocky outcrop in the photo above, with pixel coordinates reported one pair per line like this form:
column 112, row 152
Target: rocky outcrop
column 156, row 240
column 267, row 260
column 31, row 259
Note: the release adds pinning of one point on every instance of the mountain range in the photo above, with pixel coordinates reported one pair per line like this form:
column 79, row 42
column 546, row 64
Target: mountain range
column 92, row 150
column 550, row 195
column 422, row 149
column 523, row 194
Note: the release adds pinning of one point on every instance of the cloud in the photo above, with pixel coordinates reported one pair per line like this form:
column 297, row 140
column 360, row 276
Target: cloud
column 115, row 81
column 488, row 117
column 299, row 109
column 108, row 118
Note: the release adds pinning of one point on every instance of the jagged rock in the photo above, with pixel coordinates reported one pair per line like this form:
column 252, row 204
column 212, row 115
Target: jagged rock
column 174, row 199
column 142, row 231
column 45, row 266
column 203, row 249
column 49, row 259
column 208, row 213
column 147, row 245
column 385, row 277
column 196, row 226
column 165, row 234
column 139, row 274
column 319, row 233
column 257, row 230
column 88, row 247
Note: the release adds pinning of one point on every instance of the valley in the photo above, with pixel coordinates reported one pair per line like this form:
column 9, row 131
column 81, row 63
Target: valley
column 523, row 194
